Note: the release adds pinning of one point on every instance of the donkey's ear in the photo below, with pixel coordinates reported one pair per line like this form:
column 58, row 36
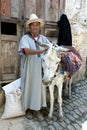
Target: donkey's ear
column 62, row 49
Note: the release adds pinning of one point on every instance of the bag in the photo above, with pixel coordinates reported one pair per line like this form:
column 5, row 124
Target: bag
column 13, row 106
column 9, row 88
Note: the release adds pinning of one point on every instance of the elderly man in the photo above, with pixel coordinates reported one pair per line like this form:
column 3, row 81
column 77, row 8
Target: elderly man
column 33, row 93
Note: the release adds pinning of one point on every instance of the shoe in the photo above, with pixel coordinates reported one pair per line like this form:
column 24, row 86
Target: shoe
column 29, row 114
column 38, row 115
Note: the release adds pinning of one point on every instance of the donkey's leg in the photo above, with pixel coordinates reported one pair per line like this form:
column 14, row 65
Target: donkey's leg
column 70, row 82
column 51, row 89
column 60, row 100
column 66, row 87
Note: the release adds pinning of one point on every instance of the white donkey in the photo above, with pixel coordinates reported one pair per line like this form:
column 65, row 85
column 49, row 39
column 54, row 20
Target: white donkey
column 53, row 75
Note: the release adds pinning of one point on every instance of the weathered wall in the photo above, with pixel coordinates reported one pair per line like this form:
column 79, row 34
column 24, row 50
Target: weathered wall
column 77, row 14
column 5, row 8
column 18, row 11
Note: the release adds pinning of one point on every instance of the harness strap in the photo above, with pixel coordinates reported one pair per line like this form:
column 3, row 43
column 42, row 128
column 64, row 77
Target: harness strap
column 61, row 72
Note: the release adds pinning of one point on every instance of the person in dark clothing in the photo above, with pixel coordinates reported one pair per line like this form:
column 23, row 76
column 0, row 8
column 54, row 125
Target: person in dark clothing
column 64, row 36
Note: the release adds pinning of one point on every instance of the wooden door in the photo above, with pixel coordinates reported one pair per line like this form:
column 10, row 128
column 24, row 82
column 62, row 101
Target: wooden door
column 8, row 54
column 10, row 16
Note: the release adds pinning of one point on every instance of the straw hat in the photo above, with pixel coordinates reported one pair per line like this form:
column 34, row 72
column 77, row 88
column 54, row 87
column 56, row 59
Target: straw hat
column 33, row 18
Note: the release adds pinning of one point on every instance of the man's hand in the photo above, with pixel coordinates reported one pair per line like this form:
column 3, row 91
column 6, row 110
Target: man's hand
column 44, row 50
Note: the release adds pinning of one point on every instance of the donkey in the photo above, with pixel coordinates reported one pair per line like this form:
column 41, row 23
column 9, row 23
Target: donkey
column 53, row 75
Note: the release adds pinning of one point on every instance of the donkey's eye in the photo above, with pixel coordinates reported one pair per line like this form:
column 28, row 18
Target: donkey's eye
column 57, row 62
column 43, row 60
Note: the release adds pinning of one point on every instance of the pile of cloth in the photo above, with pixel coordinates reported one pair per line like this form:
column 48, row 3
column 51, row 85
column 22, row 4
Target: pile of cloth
column 71, row 61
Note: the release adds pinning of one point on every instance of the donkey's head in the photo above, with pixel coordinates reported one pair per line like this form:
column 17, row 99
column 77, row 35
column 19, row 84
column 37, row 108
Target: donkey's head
column 50, row 62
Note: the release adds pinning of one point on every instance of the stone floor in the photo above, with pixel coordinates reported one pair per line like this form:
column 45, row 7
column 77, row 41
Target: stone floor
column 74, row 110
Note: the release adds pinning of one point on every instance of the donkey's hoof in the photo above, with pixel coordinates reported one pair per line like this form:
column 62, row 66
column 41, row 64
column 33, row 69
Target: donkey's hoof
column 70, row 97
column 60, row 118
column 66, row 95
column 49, row 116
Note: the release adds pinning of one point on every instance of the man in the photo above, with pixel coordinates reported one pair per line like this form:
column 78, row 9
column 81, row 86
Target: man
column 33, row 93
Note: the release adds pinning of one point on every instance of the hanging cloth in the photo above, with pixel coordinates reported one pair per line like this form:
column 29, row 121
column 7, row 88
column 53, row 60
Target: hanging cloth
column 65, row 35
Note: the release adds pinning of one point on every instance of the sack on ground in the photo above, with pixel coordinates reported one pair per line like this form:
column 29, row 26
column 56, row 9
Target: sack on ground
column 13, row 106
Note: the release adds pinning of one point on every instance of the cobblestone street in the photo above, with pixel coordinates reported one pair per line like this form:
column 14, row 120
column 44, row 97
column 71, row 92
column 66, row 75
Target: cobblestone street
column 74, row 110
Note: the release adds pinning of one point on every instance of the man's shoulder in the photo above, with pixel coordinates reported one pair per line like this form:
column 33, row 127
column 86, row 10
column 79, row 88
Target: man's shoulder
column 42, row 36
column 25, row 36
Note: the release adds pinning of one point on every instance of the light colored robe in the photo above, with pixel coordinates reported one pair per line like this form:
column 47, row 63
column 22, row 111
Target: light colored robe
column 33, row 92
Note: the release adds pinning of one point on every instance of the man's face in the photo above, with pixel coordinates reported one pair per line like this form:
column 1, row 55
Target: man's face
column 34, row 27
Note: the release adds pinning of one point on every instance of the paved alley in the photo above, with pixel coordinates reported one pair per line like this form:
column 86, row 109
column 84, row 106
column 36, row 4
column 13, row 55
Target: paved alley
column 74, row 110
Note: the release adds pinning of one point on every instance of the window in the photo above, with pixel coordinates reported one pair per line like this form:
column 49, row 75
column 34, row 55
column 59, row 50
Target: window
column 8, row 28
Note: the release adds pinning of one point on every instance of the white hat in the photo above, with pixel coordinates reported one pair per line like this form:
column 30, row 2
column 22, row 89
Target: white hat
column 34, row 18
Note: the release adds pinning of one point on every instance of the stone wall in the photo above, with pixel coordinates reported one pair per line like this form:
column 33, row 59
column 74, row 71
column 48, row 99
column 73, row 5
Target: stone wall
column 76, row 10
